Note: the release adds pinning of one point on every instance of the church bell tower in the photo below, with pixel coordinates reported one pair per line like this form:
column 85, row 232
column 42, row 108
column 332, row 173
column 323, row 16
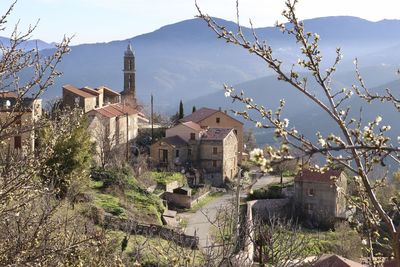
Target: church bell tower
column 129, row 92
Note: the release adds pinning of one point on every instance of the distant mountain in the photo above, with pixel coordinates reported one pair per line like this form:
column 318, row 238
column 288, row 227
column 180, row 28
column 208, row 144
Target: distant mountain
column 30, row 44
column 186, row 61
column 302, row 113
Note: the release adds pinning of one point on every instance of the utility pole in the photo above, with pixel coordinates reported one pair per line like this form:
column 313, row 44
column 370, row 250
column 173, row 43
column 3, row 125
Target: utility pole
column 237, row 208
column 127, row 137
column 152, row 123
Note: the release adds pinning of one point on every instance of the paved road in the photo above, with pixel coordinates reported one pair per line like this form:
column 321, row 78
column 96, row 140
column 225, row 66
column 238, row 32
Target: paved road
column 269, row 179
column 199, row 222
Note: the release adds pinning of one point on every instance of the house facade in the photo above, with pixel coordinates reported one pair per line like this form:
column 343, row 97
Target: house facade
column 213, row 151
column 212, row 118
column 21, row 114
column 321, row 196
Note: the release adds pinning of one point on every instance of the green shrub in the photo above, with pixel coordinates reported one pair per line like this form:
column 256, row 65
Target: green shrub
column 110, row 204
column 168, row 177
column 119, row 177
column 272, row 192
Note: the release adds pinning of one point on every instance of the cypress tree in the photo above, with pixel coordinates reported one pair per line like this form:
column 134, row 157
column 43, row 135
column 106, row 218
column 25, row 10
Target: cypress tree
column 193, row 109
column 181, row 112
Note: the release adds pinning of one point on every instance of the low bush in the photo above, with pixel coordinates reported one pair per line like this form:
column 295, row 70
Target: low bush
column 266, row 193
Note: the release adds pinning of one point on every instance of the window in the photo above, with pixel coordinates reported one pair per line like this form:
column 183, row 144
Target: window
column 18, row 120
column 192, row 136
column 235, row 131
column 311, row 192
column 189, row 152
column 163, row 155
column 217, row 120
column 177, row 153
column 310, row 208
column 215, row 150
column 214, row 163
column 17, row 142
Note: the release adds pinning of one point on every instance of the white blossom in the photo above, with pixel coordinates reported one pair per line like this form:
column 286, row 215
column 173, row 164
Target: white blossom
column 257, row 155
column 286, row 122
column 322, row 142
column 378, row 119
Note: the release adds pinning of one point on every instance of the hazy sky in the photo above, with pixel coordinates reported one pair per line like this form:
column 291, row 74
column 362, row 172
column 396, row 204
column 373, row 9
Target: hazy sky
column 105, row 20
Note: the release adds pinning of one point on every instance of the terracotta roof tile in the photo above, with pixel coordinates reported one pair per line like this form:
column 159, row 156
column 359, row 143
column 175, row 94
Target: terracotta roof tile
column 115, row 110
column 77, row 91
column 108, row 90
column 335, row 261
column 192, row 125
column 216, row 133
column 8, row 95
column 91, row 91
column 174, row 141
column 308, row 175
column 199, row 115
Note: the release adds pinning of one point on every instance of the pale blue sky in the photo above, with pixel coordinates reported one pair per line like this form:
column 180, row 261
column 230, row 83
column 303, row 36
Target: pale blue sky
column 105, row 20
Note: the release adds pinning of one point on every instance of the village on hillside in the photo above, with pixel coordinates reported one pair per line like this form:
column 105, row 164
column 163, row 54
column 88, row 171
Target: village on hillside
column 191, row 171
column 206, row 142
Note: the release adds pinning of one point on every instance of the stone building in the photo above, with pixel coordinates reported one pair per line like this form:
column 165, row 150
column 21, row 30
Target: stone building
column 21, row 114
column 113, row 117
column 321, row 196
column 170, row 153
column 88, row 98
column 214, row 151
column 212, row 118
column 118, row 122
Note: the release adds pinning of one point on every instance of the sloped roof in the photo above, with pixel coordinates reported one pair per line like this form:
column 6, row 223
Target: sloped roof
column 174, row 141
column 89, row 90
column 199, row 115
column 315, row 176
column 335, row 261
column 216, row 133
column 202, row 114
column 108, row 90
column 76, row 91
column 8, row 95
column 192, row 125
column 115, row 110
column 8, row 100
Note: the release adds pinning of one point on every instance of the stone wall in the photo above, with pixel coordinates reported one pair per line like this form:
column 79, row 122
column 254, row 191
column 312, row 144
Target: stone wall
column 151, row 230
column 183, row 201
column 230, row 158
column 169, row 187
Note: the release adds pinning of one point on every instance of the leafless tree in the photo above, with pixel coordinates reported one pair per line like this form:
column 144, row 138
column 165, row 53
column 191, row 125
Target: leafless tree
column 357, row 145
column 36, row 227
